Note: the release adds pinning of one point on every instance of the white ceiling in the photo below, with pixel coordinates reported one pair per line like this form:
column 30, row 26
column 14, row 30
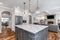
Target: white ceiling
column 43, row 4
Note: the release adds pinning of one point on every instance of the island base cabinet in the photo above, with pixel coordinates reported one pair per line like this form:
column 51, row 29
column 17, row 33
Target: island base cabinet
column 25, row 35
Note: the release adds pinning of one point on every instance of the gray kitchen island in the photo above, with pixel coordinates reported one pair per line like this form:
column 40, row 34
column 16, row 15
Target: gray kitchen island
column 31, row 32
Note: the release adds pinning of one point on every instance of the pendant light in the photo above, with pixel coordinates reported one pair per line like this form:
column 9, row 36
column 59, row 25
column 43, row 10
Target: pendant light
column 37, row 9
column 24, row 7
column 29, row 8
column 30, row 16
column 29, row 5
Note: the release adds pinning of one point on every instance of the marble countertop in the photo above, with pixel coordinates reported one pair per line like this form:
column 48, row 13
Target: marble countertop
column 32, row 27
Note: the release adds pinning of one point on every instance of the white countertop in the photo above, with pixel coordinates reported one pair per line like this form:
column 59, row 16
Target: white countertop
column 31, row 27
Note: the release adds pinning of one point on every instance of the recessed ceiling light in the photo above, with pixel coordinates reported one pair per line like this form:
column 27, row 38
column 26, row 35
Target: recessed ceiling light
column 38, row 11
column 1, row 3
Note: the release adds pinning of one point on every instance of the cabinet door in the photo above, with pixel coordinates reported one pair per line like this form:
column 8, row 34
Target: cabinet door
column 18, row 20
column 23, row 35
column 16, row 33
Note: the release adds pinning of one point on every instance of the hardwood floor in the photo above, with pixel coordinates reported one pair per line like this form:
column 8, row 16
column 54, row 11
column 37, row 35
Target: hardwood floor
column 11, row 36
column 53, row 36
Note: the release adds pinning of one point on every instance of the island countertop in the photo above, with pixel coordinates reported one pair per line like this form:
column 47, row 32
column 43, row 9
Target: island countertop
column 32, row 27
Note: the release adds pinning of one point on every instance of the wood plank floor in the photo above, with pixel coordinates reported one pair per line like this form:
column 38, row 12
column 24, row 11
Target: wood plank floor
column 11, row 36
column 53, row 36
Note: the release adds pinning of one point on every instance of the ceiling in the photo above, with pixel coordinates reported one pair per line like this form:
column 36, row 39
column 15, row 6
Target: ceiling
column 43, row 4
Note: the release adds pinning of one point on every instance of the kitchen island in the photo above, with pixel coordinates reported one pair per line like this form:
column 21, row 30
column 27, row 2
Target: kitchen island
column 31, row 32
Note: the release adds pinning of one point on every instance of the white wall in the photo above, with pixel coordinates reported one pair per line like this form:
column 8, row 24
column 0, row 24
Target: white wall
column 19, row 12
column 57, row 17
column 3, row 8
column 49, row 4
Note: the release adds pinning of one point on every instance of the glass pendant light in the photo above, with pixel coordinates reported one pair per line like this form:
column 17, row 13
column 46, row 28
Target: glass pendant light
column 29, row 8
column 24, row 7
column 25, row 11
column 37, row 9
column 30, row 16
